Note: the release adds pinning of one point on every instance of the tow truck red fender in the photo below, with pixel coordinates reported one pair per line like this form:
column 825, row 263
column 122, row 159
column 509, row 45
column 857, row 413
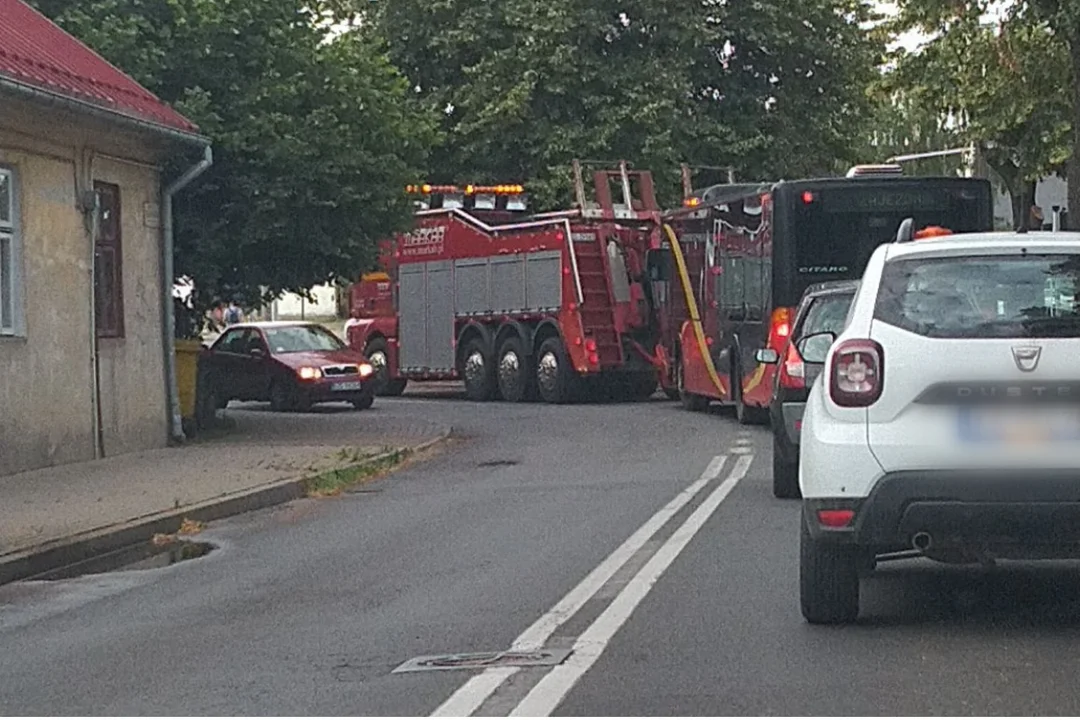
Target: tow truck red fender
column 365, row 329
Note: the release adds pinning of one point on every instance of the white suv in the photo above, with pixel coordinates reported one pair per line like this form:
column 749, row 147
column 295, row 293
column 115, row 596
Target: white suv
column 946, row 422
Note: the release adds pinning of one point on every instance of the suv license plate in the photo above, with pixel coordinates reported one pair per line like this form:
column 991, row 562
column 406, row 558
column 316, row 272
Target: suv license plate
column 1020, row 426
column 346, row 386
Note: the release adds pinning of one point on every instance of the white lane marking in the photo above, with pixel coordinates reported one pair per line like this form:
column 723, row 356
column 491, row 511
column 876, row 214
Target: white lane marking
column 550, row 691
column 741, row 450
column 743, row 440
column 479, row 688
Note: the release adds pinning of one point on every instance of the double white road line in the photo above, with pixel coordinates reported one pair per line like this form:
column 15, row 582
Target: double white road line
column 546, row 695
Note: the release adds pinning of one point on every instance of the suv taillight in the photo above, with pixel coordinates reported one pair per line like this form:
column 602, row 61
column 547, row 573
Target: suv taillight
column 792, row 370
column 858, row 373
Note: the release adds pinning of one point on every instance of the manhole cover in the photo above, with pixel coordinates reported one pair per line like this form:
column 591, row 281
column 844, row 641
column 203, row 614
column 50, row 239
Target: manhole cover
column 482, row 660
column 497, row 463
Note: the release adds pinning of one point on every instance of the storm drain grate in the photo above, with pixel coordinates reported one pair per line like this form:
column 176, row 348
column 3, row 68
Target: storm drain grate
column 482, row 660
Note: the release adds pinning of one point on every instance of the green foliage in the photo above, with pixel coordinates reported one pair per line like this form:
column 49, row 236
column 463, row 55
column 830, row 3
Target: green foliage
column 900, row 125
column 313, row 140
column 522, row 87
column 993, row 82
column 1001, row 83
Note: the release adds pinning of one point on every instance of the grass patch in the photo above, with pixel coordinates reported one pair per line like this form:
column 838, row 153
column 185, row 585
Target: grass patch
column 366, row 466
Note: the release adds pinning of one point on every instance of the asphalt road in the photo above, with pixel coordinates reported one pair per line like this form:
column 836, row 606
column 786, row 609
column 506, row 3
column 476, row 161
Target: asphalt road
column 640, row 536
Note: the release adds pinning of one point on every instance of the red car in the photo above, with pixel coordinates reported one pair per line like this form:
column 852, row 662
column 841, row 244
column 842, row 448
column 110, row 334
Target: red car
column 293, row 365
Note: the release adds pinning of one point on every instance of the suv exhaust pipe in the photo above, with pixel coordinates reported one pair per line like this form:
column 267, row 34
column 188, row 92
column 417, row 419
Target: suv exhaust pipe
column 921, row 541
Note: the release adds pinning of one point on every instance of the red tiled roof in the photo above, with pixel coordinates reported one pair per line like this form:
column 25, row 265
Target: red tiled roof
column 36, row 52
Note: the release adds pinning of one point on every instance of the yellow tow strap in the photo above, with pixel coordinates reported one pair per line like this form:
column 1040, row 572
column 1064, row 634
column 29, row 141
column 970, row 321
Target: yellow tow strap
column 691, row 305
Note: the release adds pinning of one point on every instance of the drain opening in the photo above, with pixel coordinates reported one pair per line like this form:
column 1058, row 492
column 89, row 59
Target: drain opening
column 144, row 556
column 480, row 660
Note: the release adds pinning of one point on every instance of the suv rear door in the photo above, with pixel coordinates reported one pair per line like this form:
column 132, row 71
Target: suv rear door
column 962, row 325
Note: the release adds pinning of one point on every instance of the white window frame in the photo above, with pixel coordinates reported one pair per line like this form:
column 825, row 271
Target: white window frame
column 13, row 326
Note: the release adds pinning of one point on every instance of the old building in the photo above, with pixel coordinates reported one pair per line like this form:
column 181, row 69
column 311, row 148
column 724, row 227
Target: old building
column 86, row 353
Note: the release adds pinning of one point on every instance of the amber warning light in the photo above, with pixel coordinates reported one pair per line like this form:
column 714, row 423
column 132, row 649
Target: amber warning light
column 466, row 190
column 932, row 231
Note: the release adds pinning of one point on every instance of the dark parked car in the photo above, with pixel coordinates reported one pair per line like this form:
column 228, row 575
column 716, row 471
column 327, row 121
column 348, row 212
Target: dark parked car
column 820, row 316
column 293, row 365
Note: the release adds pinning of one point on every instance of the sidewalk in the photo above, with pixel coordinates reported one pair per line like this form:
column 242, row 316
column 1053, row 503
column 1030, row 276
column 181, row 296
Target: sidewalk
column 43, row 509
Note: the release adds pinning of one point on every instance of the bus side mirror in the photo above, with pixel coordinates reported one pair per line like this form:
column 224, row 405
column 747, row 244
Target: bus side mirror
column 767, row 356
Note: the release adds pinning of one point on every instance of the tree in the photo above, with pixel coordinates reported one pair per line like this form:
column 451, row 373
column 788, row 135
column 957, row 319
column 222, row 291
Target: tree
column 1062, row 19
column 314, row 140
column 794, row 83
column 521, row 87
column 996, row 83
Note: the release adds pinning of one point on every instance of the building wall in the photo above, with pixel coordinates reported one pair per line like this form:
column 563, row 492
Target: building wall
column 132, row 368
column 47, row 410
column 292, row 307
column 1050, row 191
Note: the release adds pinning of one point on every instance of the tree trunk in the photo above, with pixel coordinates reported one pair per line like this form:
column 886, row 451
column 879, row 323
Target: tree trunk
column 1072, row 167
column 1021, row 194
column 1021, row 205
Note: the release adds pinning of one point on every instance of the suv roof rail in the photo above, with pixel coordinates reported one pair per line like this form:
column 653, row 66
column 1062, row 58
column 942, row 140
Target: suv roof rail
column 906, row 233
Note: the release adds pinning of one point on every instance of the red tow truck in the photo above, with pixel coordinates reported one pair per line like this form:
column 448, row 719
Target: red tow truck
column 518, row 306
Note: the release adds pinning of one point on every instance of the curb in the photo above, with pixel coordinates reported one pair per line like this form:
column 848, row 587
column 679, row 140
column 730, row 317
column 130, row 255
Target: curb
column 61, row 553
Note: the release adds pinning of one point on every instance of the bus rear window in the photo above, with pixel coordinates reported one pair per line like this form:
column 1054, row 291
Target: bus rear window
column 996, row 296
column 837, row 229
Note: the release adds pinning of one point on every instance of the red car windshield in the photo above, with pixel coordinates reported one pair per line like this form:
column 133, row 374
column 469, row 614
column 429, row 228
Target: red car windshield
column 301, row 338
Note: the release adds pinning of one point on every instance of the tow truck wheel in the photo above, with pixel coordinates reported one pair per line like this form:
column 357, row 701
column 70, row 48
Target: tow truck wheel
column 477, row 370
column 514, row 374
column 377, row 355
column 555, row 379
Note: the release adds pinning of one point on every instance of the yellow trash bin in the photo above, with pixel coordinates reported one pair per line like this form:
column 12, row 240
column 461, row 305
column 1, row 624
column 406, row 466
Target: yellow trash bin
column 187, row 375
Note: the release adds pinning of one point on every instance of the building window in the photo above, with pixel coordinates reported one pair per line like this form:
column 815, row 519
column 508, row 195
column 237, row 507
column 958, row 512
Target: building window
column 108, row 264
column 10, row 275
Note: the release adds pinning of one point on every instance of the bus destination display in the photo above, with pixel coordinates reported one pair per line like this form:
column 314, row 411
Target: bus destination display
column 885, row 200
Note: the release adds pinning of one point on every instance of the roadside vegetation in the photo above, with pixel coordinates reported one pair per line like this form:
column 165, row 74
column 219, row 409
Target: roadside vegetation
column 321, row 112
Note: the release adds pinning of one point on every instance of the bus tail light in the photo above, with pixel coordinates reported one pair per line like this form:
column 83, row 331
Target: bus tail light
column 858, row 373
column 780, row 327
column 792, row 370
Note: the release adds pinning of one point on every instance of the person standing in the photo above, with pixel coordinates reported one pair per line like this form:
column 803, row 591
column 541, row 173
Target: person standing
column 233, row 314
column 217, row 316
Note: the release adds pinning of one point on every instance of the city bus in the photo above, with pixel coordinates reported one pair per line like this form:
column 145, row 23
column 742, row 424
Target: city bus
column 734, row 261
